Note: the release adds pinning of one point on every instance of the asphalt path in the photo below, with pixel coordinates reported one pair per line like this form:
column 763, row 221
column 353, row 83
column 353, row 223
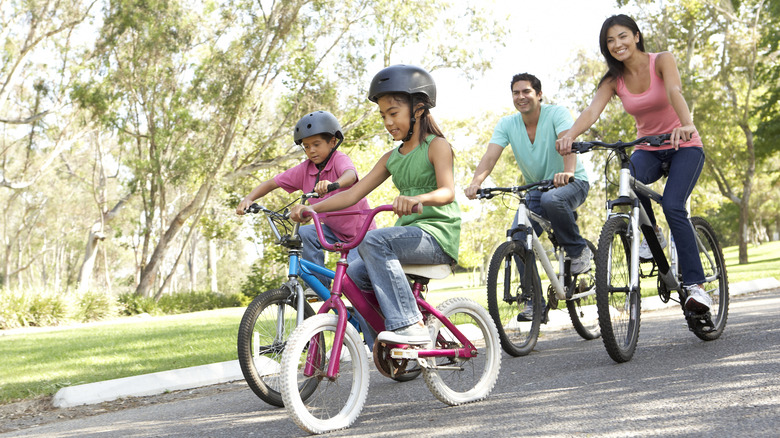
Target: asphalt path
column 676, row 385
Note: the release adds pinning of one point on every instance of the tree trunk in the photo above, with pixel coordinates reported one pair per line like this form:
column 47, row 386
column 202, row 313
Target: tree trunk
column 212, row 270
column 90, row 253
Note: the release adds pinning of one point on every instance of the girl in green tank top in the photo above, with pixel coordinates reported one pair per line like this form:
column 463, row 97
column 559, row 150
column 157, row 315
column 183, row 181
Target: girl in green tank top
column 422, row 168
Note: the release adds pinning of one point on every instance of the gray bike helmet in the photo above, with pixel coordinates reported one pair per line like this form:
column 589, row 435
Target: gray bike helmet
column 407, row 79
column 318, row 122
column 401, row 78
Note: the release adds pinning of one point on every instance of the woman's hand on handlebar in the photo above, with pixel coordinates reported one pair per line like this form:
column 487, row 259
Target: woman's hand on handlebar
column 296, row 213
column 682, row 134
column 563, row 145
column 405, row 205
column 471, row 191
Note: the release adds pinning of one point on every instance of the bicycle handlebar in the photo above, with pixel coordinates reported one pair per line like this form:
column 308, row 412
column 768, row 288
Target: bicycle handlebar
column 543, row 186
column 581, row 147
column 343, row 246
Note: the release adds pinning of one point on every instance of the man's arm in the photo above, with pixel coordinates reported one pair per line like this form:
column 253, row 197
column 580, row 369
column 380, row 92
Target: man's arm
column 485, row 166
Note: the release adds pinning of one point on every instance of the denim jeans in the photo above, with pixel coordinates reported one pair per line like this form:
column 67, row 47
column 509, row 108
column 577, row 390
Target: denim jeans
column 557, row 206
column 685, row 166
column 312, row 248
column 382, row 253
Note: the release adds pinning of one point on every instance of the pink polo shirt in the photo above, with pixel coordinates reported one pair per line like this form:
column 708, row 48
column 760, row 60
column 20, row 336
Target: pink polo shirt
column 652, row 111
column 303, row 177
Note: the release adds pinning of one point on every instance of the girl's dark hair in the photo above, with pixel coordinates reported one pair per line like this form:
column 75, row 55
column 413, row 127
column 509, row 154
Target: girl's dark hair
column 614, row 67
column 427, row 123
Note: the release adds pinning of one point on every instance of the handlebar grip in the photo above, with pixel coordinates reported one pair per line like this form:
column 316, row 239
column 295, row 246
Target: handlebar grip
column 254, row 208
column 332, row 187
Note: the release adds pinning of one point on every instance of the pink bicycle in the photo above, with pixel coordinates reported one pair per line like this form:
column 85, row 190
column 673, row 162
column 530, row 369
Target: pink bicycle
column 459, row 366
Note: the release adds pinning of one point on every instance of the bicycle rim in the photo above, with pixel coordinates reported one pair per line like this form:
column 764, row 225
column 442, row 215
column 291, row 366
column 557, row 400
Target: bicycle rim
column 717, row 284
column 618, row 306
column 335, row 404
column 509, row 292
column 260, row 343
column 461, row 380
column 583, row 311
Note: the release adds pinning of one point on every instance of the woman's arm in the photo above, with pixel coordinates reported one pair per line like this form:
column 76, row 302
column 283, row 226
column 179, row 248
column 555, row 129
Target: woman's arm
column 588, row 116
column 666, row 68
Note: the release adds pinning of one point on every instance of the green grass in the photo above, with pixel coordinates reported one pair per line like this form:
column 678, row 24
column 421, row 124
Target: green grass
column 39, row 363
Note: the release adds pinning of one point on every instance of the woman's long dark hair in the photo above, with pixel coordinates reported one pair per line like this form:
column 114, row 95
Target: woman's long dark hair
column 614, row 67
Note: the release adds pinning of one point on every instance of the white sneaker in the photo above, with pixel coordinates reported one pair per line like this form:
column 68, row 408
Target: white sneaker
column 581, row 264
column 414, row 334
column 698, row 299
column 644, row 248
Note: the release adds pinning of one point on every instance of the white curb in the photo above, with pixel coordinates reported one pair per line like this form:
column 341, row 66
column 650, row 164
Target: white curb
column 148, row 384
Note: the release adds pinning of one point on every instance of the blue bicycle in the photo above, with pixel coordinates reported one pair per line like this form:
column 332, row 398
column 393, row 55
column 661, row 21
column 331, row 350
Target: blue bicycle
column 273, row 315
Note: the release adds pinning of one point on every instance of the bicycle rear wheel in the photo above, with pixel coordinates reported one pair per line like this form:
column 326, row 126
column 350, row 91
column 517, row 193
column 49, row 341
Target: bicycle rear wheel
column 582, row 311
column 618, row 305
column 459, row 380
column 717, row 283
column 513, row 284
column 336, row 403
column 262, row 335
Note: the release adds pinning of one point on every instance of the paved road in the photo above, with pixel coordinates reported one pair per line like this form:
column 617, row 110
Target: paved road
column 676, row 385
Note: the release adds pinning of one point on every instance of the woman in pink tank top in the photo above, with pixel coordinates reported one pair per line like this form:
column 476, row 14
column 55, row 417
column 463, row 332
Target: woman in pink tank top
column 649, row 86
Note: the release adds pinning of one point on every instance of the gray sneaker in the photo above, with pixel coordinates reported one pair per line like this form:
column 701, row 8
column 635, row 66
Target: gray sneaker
column 698, row 300
column 644, row 248
column 412, row 334
column 581, row 264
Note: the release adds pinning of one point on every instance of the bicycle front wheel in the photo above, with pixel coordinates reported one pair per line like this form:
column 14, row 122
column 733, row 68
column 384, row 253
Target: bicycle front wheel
column 458, row 380
column 262, row 335
column 618, row 304
column 512, row 286
column 582, row 310
column 336, row 403
column 717, row 283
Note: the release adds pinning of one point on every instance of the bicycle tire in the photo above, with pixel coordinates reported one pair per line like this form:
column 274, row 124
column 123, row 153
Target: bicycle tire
column 477, row 375
column 618, row 305
column 714, row 266
column 336, row 403
column 582, row 311
column 260, row 347
column 508, row 295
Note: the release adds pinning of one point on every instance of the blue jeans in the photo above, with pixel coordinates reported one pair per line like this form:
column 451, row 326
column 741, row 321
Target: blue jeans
column 557, row 206
column 382, row 253
column 685, row 166
column 312, row 248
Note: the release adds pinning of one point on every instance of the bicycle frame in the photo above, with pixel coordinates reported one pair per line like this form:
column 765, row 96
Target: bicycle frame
column 367, row 305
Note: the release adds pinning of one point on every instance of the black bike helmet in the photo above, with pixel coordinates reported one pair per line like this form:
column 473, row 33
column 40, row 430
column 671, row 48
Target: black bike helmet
column 407, row 79
column 318, row 122
column 400, row 78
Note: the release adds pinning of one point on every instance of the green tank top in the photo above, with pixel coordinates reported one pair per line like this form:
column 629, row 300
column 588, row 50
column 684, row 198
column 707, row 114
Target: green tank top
column 413, row 174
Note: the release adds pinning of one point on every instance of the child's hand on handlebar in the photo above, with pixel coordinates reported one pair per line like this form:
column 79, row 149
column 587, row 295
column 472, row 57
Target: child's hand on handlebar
column 322, row 187
column 405, row 205
column 471, row 191
column 243, row 205
column 296, row 213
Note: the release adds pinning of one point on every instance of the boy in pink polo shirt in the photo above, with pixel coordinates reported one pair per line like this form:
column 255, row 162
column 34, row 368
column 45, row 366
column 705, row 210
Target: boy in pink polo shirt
column 319, row 133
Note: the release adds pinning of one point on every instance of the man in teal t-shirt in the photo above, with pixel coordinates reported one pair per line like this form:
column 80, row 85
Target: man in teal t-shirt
column 532, row 133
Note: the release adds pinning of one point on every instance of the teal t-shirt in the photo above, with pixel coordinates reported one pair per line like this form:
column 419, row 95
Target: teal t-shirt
column 538, row 160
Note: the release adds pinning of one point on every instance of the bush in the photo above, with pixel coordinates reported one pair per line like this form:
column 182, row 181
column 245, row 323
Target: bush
column 196, row 301
column 263, row 276
column 23, row 309
column 131, row 304
column 94, row 306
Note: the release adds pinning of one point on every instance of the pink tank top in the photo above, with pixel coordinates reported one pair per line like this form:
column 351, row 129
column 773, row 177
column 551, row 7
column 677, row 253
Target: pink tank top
column 652, row 111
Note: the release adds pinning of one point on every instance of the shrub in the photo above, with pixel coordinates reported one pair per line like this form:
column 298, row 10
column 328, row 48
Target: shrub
column 94, row 306
column 131, row 304
column 196, row 301
column 20, row 308
column 263, row 276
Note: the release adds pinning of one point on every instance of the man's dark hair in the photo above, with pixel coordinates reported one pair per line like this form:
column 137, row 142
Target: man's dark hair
column 536, row 84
